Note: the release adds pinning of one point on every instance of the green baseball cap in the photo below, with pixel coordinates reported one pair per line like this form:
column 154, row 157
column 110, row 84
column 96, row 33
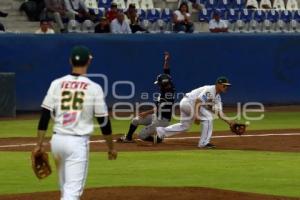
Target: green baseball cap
column 80, row 55
column 223, row 80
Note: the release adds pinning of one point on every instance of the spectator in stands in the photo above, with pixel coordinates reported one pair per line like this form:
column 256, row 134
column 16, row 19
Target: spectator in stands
column 56, row 9
column 33, row 9
column 3, row 14
column 45, row 27
column 252, row 4
column 265, row 4
column 102, row 26
column 133, row 19
column 113, row 12
column 182, row 19
column 78, row 9
column 216, row 24
column 120, row 25
column 278, row 5
column 2, row 29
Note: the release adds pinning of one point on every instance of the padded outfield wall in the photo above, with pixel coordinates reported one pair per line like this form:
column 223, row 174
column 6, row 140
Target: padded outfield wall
column 264, row 68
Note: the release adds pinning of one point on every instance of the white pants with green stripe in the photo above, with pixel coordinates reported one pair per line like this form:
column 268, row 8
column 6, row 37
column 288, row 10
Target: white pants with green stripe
column 186, row 121
column 71, row 157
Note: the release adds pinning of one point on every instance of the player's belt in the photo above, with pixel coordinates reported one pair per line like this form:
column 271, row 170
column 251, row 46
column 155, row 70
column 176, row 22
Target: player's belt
column 69, row 134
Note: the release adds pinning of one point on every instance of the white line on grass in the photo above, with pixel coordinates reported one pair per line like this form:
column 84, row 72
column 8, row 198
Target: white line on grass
column 175, row 138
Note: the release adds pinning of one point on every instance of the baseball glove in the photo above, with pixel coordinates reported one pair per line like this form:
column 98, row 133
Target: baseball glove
column 40, row 164
column 238, row 129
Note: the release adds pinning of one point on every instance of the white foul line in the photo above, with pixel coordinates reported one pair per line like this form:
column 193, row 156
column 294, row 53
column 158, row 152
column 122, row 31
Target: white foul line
column 234, row 136
column 18, row 145
column 175, row 138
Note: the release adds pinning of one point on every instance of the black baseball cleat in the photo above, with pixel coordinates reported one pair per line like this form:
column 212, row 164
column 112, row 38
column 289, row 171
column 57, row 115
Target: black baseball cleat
column 209, row 146
column 157, row 139
column 124, row 139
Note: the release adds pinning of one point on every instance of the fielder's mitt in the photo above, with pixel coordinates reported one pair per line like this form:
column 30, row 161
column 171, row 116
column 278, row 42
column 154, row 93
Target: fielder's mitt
column 40, row 164
column 238, row 129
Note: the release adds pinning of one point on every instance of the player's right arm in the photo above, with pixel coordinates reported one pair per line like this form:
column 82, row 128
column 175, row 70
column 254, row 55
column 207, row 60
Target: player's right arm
column 47, row 107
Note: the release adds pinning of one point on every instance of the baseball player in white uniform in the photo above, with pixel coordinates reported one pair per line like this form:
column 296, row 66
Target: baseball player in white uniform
column 200, row 105
column 73, row 101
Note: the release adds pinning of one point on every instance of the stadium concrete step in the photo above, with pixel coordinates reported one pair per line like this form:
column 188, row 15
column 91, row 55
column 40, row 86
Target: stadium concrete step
column 16, row 20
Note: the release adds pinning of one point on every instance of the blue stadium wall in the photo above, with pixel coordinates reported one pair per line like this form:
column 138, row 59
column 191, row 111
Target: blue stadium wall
column 264, row 68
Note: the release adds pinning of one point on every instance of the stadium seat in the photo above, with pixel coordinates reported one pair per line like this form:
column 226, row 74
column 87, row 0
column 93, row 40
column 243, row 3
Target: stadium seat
column 256, row 24
column 297, row 16
column 272, row 15
column 73, row 26
column 211, row 4
column 246, row 15
column 142, row 14
column 147, row 4
column 238, row 4
column 120, row 3
column 223, row 14
column 292, row 5
column 278, row 5
column 204, row 15
column 285, row 20
column 259, row 16
column 223, row 5
column 166, row 15
column 270, row 23
column 165, row 21
column 150, row 23
column 243, row 23
column 87, row 27
column 153, row 15
column 232, row 17
column 286, row 16
column 104, row 3
column 295, row 22
column 135, row 2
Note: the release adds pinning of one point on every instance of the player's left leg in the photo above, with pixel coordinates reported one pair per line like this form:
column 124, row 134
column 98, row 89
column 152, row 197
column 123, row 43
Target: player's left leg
column 207, row 129
column 148, row 131
column 76, row 167
column 135, row 122
column 58, row 152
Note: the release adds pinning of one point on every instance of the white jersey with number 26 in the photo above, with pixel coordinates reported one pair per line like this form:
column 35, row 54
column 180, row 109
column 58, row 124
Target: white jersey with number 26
column 74, row 101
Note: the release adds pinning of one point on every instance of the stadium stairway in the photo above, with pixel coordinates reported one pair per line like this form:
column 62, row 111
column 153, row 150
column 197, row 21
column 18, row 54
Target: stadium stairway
column 16, row 21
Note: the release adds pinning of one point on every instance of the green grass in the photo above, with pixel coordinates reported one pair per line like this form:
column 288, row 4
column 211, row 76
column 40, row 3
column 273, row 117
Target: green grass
column 258, row 172
column 272, row 120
